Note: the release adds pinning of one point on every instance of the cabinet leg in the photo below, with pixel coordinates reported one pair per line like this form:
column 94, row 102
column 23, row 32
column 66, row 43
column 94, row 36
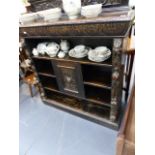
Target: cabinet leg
column 30, row 89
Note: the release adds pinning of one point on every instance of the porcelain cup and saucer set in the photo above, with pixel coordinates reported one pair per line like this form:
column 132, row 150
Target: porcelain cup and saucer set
column 79, row 51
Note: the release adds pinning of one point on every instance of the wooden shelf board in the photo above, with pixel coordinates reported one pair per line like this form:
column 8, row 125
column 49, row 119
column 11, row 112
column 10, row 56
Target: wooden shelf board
column 86, row 115
column 106, row 63
column 86, row 99
column 98, row 102
column 46, row 74
column 97, row 84
column 52, row 89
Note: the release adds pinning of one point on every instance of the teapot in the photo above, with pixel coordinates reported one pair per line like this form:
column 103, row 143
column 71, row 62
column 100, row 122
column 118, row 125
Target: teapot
column 52, row 49
column 42, row 47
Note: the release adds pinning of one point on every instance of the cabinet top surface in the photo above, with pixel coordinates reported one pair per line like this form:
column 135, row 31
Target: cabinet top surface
column 117, row 14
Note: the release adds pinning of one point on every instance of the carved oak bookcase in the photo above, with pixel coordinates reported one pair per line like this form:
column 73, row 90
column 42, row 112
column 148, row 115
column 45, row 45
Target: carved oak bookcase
column 88, row 89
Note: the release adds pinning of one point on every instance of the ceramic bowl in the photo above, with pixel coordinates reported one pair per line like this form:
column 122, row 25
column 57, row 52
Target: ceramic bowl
column 51, row 14
column 28, row 18
column 61, row 54
column 91, row 11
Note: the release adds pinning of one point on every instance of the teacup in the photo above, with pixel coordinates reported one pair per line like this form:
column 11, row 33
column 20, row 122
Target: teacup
column 42, row 48
column 79, row 48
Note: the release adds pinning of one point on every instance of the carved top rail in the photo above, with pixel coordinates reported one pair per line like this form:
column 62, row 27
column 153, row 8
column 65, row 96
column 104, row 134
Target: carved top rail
column 110, row 24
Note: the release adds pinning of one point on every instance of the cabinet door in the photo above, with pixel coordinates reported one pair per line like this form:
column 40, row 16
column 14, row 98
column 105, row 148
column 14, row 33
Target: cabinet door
column 69, row 77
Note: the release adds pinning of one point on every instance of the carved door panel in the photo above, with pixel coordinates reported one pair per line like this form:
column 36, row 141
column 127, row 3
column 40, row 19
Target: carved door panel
column 69, row 78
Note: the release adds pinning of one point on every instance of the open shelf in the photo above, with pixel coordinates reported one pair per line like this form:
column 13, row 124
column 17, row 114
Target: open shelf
column 83, row 106
column 97, row 76
column 46, row 74
column 49, row 82
column 74, row 41
column 85, row 99
column 44, row 67
column 98, row 95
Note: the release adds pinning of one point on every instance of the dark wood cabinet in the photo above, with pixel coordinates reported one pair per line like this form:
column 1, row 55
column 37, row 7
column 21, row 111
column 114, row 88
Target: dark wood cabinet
column 88, row 89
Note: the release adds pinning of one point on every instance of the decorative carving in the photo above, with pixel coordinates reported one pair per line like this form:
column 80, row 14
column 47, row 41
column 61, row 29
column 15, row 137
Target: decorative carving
column 116, row 78
column 38, row 5
column 117, row 43
column 115, row 75
column 69, row 79
column 104, row 2
column 102, row 29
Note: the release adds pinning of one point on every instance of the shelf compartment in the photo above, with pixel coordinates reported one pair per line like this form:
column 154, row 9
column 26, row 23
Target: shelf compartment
column 44, row 67
column 63, row 99
column 98, row 95
column 85, row 99
column 97, row 110
column 49, row 82
column 81, row 105
column 92, row 42
column 97, row 76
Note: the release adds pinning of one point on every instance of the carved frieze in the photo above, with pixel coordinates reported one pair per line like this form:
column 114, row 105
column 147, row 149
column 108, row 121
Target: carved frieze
column 102, row 29
column 104, row 2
